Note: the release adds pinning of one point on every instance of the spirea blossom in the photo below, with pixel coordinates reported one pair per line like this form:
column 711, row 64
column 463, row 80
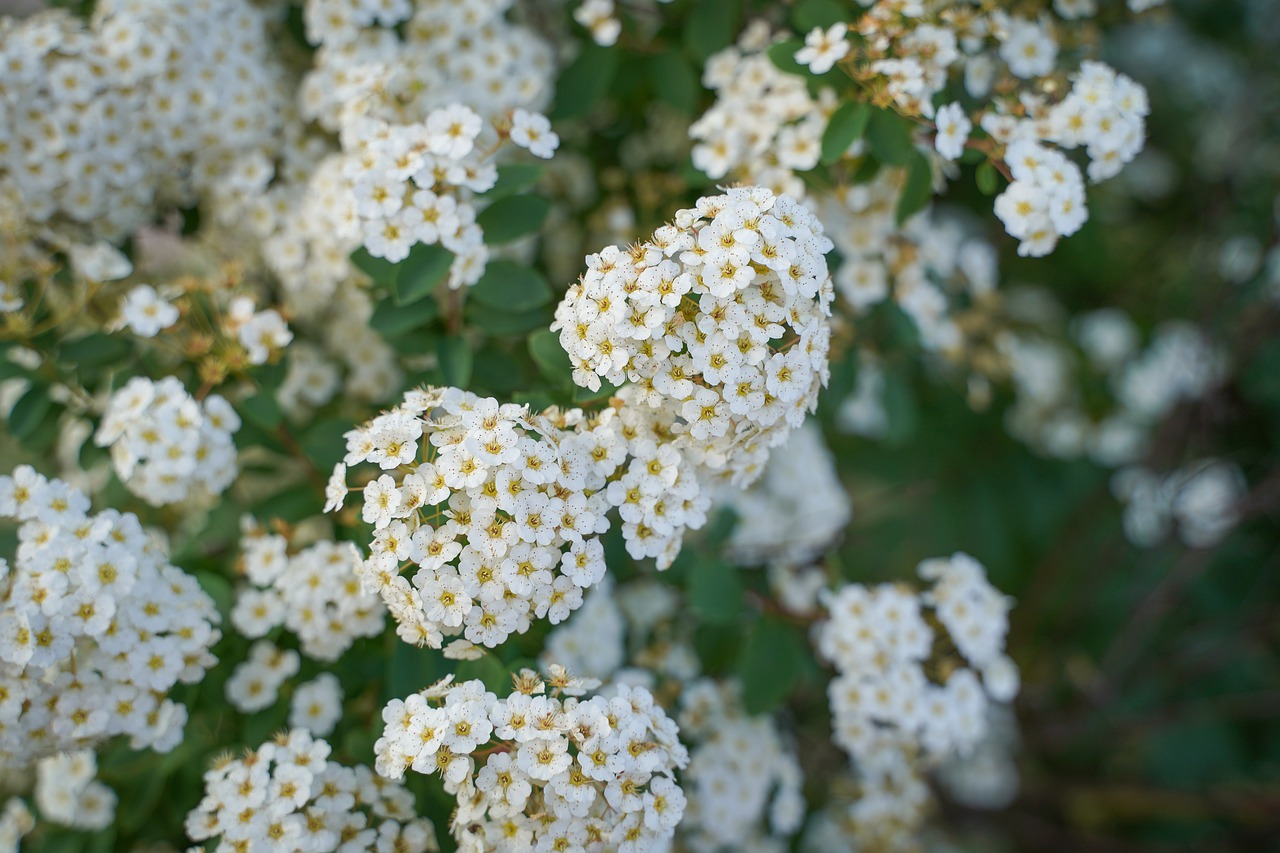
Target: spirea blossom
column 542, row 769
column 165, row 445
column 288, row 795
column 314, row 593
column 95, row 627
column 719, row 321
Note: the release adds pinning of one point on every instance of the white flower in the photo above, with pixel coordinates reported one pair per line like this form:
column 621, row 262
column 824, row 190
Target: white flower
column 823, row 50
column 533, row 131
column 146, row 312
column 953, row 131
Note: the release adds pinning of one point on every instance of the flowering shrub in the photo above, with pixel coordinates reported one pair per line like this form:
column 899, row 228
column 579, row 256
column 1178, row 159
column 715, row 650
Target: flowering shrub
column 505, row 425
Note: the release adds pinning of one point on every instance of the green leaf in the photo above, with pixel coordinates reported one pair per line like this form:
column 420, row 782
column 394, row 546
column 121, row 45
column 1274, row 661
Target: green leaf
column 918, row 189
column 262, row 410
column 381, row 270
column 808, row 14
column 715, row 591
column 769, row 664
column 553, row 362
column 502, row 323
column 513, row 217
column 392, row 320
column 409, row 668
column 455, row 361
column 783, row 55
column 889, row 136
column 514, row 178
column 292, row 504
column 584, row 81
column 847, row 124
column 711, row 26
column 426, row 267
column 509, row 286
column 489, row 670
column 29, row 412
column 674, row 80
column 93, row 350
column 323, row 442
column 987, row 178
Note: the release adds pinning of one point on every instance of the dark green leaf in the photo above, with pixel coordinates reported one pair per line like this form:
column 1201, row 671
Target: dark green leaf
column 918, row 189
column 889, row 135
column 847, row 124
column 674, row 80
column 391, row 319
column 293, row 504
column 711, row 26
column 503, row 323
column 514, row 178
column 808, row 14
column 987, row 178
column 584, row 81
column 93, row 350
column 769, row 664
column 426, row 267
column 381, row 270
column 489, row 670
column 783, row 55
column 715, row 591
column 553, row 362
column 323, row 442
column 512, row 217
column 455, row 361
column 263, row 410
column 29, row 412
column 509, row 286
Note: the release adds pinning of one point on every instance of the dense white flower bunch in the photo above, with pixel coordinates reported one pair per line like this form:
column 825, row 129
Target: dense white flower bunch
column 558, row 773
column 429, row 52
column 744, row 782
column 892, row 719
column 795, row 511
column 95, row 627
column 314, row 593
column 1144, row 384
column 288, row 795
column 381, row 72
column 720, row 321
column 149, row 103
column 498, row 510
column 764, row 126
column 1199, row 499
column 1105, row 114
column 878, row 639
column 165, row 445
column 255, row 683
column 67, row 793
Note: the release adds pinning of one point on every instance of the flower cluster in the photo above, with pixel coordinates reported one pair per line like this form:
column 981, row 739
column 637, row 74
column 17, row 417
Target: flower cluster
column 498, row 510
column 764, row 126
column 1104, row 113
column 167, row 446
column 1200, row 499
column 888, row 714
column 314, row 593
column 741, row 776
column 795, row 511
column 146, row 105
column 288, row 795
column 95, row 627
column 316, row 705
column 1141, row 384
column 557, row 773
column 255, row 683
column 719, row 321
column 67, row 792
column 16, row 821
